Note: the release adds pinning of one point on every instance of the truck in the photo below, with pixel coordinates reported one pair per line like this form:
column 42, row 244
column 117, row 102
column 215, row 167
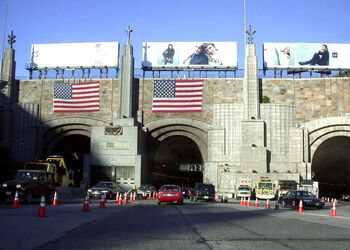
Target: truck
column 55, row 165
column 265, row 189
column 244, row 187
column 286, row 186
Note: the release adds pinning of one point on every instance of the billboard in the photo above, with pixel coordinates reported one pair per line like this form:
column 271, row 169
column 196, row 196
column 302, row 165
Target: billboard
column 306, row 56
column 74, row 55
column 200, row 55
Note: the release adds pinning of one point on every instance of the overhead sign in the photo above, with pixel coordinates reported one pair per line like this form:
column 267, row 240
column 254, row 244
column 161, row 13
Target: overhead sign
column 317, row 56
column 192, row 55
column 74, row 55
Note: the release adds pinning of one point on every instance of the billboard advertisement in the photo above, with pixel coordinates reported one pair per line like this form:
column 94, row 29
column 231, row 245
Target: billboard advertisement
column 202, row 55
column 74, row 55
column 306, row 56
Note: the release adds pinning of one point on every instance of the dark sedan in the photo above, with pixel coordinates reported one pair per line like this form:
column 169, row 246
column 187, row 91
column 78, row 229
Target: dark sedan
column 110, row 188
column 309, row 200
column 186, row 191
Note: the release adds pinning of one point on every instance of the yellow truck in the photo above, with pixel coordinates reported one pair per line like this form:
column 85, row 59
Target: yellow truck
column 265, row 189
column 53, row 164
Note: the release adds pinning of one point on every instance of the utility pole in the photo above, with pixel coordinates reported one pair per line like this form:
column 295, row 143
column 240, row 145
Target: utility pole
column 3, row 38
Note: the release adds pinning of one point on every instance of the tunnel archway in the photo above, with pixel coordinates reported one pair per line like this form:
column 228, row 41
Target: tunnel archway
column 73, row 148
column 331, row 166
column 176, row 160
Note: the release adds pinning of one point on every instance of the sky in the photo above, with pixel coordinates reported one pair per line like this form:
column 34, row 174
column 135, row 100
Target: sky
column 74, row 21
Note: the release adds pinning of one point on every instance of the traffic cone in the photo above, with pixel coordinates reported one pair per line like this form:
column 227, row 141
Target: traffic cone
column 16, row 201
column 144, row 195
column 216, row 199
column 125, row 198
column 268, row 204
column 244, row 201
column 120, row 201
column 42, row 208
column 241, row 201
column 334, row 209
column 102, row 202
column 117, row 197
column 134, row 196
column 154, row 195
column 301, row 209
column 277, row 206
column 55, row 201
column 86, row 204
column 248, row 203
column 256, row 203
column 149, row 195
column 225, row 199
column 130, row 198
column 293, row 207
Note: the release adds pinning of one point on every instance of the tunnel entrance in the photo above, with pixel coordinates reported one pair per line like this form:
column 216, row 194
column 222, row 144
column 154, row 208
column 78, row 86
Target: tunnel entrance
column 331, row 167
column 73, row 148
column 177, row 160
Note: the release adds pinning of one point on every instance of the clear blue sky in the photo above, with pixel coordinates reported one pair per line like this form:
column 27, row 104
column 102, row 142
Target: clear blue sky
column 65, row 21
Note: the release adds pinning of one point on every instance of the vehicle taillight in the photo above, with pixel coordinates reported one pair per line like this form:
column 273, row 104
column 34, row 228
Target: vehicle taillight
column 160, row 193
column 197, row 192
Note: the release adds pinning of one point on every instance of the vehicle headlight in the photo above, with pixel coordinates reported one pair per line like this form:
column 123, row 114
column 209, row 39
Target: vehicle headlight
column 89, row 190
column 4, row 185
column 18, row 186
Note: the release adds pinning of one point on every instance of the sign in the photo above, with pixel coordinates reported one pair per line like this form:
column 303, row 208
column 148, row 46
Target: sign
column 306, row 56
column 74, row 55
column 191, row 55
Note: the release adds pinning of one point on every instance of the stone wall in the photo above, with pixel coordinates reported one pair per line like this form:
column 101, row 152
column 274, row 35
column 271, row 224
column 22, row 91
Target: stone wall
column 312, row 98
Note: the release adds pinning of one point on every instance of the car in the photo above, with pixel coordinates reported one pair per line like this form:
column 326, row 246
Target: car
column 110, row 188
column 145, row 189
column 244, row 192
column 186, row 191
column 30, row 184
column 203, row 191
column 170, row 194
column 308, row 199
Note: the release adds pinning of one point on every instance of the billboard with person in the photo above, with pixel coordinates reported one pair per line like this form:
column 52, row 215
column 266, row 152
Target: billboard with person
column 201, row 55
column 318, row 56
column 74, row 55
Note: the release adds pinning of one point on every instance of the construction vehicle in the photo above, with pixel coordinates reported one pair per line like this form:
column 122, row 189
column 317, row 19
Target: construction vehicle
column 286, row 186
column 265, row 189
column 56, row 165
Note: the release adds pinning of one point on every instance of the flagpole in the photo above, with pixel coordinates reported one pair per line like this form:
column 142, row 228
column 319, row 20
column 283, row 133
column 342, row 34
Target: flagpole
column 3, row 38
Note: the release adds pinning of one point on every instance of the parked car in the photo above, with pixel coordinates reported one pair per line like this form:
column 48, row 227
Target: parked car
column 203, row 191
column 110, row 188
column 309, row 200
column 170, row 194
column 186, row 191
column 30, row 184
column 244, row 192
column 146, row 188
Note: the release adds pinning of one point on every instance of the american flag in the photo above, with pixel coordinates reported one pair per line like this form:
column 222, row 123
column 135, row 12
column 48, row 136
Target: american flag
column 76, row 97
column 170, row 96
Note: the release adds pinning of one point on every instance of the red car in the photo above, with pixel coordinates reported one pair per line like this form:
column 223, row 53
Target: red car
column 170, row 194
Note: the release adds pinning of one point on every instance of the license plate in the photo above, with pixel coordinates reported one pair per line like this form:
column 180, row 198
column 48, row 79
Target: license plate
column 168, row 194
column 206, row 197
column 317, row 204
column 8, row 192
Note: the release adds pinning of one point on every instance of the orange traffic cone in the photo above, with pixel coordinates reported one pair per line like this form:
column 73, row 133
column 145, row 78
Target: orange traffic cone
column 277, row 206
column 216, row 199
column 256, row 203
column 55, row 201
column 102, row 202
column 120, row 201
column 144, row 195
column 244, row 203
column 248, row 203
column 130, row 197
column 117, row 197
column 125, row 198
column 134, row 196
column 293, row 207
column 301, row 209
column 42, row 208
column 86, row 204
column 149, row 195
column 154, row 195
column 334, row 209
column 16, row 201
column 241, row 201
column 268, row 204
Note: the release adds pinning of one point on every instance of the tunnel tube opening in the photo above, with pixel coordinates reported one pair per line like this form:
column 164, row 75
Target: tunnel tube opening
column 331, row 167
column 177, row 160
column 73, row 148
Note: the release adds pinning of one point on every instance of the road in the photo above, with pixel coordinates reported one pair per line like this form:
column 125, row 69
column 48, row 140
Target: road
column 143, row 224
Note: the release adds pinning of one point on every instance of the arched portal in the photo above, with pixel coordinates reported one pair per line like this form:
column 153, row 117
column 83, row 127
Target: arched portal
column 177, row 160
column 331, row 166
column 73, row 148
